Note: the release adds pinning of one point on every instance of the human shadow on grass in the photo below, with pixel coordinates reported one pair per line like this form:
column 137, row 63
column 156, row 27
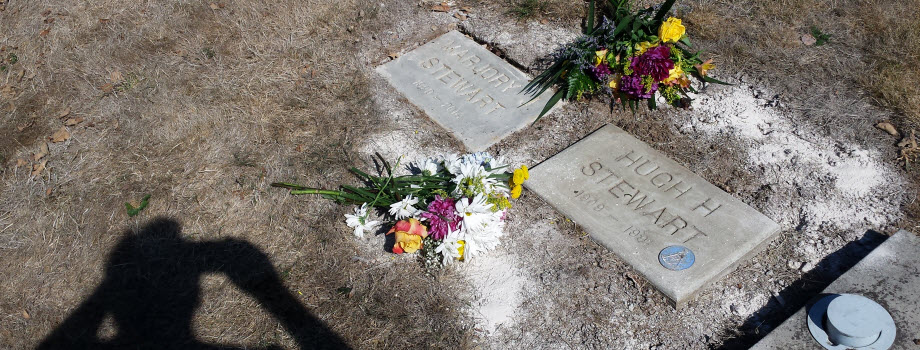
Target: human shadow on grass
column 803, row 290
column 151, row 290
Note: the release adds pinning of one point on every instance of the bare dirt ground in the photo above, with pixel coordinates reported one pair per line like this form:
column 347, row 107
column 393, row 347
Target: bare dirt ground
column 203, row 104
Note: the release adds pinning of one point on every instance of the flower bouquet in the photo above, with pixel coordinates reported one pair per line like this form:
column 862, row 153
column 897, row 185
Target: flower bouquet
column 452, row 206
column 628, row 55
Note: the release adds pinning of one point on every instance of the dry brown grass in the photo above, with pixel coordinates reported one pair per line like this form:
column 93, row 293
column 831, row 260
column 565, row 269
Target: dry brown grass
column 214, row 105
column 870, row 55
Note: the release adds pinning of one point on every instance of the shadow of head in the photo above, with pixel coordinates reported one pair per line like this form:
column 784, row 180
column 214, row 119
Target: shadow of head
column 151, row 291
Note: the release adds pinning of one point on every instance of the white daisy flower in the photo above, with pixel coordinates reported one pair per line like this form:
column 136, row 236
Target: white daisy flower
column 404, row 208
column 474, row 213
column 449, row 248
column 473, row 176
column 486, row 235
column 359, row 222
column 430, row 166
column 452, row 163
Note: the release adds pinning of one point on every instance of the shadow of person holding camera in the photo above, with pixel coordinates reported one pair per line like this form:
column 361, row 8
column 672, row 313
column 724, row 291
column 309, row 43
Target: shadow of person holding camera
column 151, row 290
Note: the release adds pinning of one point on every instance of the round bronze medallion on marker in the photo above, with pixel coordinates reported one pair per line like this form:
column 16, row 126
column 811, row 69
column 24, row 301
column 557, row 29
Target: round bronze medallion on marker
column 676, row 258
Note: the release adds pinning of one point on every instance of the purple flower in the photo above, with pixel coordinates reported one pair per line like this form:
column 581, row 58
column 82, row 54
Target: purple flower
column 655, row 62
column 601, row 71
column 632, row 85
column 442, row 218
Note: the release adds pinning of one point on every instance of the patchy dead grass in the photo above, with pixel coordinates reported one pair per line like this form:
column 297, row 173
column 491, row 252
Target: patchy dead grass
column 892, row 29
column 201, row 105
column 869, row 50
column 542, row 10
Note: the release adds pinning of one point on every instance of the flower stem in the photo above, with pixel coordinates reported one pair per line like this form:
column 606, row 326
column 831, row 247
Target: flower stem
column 316, row 191
column 382, row 188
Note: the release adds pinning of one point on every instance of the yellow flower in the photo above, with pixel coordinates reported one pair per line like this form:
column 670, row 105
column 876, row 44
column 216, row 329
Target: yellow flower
column 643, row 46
column 600, row 57
column 409, row 235
column 517, row 179
column 614, row 83
column 516, row 192
column 407, row 243
column 674, row 74
column 704, row 67
column 671, row 30
column 520, row 175
column 460, row 250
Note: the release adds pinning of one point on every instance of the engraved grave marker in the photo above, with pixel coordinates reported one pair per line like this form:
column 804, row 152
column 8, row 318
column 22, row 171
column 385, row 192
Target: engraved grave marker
column 465, row 88
column 678, row 230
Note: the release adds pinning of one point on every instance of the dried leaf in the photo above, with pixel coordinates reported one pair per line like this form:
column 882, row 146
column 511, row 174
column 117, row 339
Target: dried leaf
column 49, row 20
column 25, row 315
column 21, row 162
column 116, row 77
column 44, row 32
column 18, row 78
column 48, row 191
column 808, row 40
column 37, row 168
column 460, row 16
column 442, row 7
column 7, row 91
column 60, row 135
column 42, row 152
column 393, row 55
column 73, row 121
column 22, row 127
column 214, row 6
column 887, row 127
column 466, row 8
column 63, row 113
column 46, row 13
column 104, row 20
column 107, row 88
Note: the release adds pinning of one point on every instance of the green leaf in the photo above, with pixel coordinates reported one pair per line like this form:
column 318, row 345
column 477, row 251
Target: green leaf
column 579, row 83
column 820, row 38
column 652, row 104
column 663, row 11
column 686, row 41
column 622, row 25
column 552, row 82
column 549, row 104
column 288, row 185
column 132, row 211
column 364, row 193
column 713, row 80
column 589, row 27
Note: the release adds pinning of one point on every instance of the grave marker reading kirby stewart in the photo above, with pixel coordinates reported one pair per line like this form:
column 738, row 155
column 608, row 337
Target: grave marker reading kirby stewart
column 674, row 227
column 465, row 88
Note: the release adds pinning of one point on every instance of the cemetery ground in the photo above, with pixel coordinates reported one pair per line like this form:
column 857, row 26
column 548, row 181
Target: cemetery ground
column 203, row 104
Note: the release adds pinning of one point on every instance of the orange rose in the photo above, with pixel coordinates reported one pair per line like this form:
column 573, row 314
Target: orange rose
column 409, row 235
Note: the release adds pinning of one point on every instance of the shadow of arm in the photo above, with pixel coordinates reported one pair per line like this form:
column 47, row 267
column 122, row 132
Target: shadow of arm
column 252, row 271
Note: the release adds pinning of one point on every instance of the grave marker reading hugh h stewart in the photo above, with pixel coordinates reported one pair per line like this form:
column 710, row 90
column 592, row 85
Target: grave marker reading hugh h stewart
column 637, row 202
column 465, row 88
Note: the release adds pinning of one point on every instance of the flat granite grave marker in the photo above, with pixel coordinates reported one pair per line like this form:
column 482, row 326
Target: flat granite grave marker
column 465, row 88
column 678, row 230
